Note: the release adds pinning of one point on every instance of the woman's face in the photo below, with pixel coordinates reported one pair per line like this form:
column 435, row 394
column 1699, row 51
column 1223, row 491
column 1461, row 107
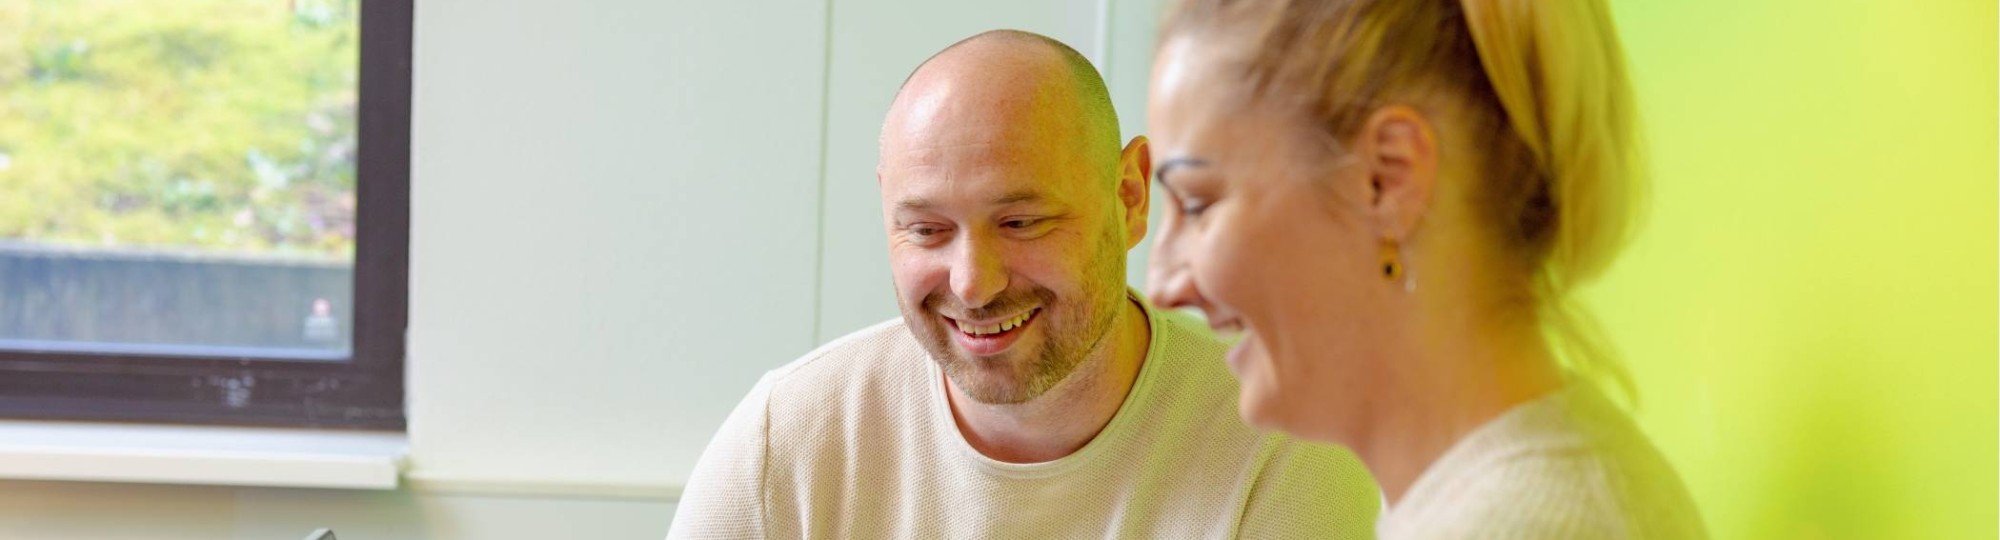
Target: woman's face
column 1267, row 232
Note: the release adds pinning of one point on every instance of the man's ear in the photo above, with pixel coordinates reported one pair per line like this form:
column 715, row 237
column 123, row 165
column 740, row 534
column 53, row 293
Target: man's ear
column 1400, row 150
column 1135, row 177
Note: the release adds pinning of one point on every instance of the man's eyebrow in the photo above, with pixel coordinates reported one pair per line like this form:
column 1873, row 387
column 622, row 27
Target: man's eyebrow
column 1017, row 197
column 914, row 203
column 1160, row 171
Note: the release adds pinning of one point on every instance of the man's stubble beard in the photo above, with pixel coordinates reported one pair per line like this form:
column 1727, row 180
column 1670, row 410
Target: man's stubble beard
column 1062, row 352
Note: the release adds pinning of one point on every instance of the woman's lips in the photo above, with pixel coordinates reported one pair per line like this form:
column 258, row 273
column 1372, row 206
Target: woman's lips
column 1236, row 357
column 1230, row 329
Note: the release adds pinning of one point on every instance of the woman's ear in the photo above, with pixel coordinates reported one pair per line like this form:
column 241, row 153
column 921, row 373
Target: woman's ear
column 1400, row 150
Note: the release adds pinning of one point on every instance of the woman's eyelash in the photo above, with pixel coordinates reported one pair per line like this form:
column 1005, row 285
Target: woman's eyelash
column 1193, row 208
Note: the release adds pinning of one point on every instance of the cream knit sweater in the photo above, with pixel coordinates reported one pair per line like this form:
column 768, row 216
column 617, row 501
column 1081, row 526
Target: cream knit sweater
column 1568, row 465
column 856, row 440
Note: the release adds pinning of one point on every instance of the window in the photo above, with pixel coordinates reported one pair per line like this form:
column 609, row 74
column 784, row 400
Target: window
column 204, row 210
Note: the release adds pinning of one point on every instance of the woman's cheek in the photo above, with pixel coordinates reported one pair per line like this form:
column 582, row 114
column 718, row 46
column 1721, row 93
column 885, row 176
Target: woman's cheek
column 1255, row 381
column 1233, row 259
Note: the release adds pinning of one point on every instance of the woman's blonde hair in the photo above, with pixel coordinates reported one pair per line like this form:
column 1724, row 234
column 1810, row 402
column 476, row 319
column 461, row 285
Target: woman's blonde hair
column 1545, row 98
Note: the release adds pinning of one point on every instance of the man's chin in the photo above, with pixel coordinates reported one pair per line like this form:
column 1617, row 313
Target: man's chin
column 998, row 394
column 973, row 381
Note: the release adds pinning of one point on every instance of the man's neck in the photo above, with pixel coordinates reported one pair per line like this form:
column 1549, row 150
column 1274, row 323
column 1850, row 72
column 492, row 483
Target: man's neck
column 1068, row 416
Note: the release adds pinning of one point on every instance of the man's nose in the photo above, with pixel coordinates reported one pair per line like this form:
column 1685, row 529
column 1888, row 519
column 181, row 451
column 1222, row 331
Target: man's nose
column 977, row 272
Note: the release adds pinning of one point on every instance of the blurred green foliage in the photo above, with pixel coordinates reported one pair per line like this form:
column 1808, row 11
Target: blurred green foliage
column 210, row 124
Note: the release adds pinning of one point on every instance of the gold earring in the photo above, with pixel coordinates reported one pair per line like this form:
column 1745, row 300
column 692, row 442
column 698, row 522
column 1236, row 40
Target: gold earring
column 1392, row 264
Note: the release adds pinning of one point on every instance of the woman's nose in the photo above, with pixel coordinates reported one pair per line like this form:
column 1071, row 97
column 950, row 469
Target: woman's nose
column 1168, row 282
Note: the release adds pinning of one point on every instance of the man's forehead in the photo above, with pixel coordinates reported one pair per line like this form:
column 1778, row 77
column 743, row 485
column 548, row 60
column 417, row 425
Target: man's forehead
column 988, row 170
column 1018, row 110
column 969, row 152
column 987, row 127
column 939, row 188
column 977, row 149
column 1007, row 196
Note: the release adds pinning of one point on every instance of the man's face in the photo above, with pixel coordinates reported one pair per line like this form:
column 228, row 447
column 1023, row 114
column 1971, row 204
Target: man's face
column 1005, row 240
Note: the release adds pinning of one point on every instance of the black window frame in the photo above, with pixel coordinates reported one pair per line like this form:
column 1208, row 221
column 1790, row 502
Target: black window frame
column 363, row 392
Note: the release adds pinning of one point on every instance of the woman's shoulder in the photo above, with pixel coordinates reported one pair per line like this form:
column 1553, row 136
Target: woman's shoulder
column 1565, row 466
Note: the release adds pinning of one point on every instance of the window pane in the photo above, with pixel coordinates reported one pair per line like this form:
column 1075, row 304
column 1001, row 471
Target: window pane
column 177, row 176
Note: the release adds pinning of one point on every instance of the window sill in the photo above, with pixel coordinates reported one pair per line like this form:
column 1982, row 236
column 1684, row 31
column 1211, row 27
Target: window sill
column 200, row 455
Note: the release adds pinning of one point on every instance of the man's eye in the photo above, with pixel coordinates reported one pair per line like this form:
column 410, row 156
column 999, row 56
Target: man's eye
column 922, row 230
column 1018, row 223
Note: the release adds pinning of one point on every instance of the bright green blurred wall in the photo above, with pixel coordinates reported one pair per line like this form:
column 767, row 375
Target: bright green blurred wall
column 1810, row 307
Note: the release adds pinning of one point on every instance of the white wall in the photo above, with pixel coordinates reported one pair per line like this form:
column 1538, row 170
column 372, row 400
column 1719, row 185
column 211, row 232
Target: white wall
column 624, row 211
column 612, row 229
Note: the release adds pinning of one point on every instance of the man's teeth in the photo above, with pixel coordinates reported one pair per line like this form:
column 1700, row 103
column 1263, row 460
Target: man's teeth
column 1006, row 325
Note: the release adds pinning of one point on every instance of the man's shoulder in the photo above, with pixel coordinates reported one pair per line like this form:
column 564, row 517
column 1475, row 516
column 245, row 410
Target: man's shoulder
column 862, row 354
column 856, row 374
column 1185, row 347
column 792, row 429
column 1186, row 333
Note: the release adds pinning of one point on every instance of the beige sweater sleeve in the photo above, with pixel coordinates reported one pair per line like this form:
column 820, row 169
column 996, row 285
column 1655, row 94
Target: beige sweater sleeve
column 724, row 497
column 1305, row 487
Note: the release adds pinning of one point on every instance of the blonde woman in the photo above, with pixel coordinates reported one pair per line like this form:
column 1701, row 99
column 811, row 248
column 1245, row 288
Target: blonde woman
column 1391, row 200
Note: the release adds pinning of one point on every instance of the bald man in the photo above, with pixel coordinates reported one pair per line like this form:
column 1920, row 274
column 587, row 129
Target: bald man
column 1025, row 392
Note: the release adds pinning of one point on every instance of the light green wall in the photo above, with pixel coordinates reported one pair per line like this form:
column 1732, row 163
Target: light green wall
column 1810, row 308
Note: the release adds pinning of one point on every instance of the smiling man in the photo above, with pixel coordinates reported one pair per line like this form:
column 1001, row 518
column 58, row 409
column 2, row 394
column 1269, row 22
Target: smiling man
column 1026, row 392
